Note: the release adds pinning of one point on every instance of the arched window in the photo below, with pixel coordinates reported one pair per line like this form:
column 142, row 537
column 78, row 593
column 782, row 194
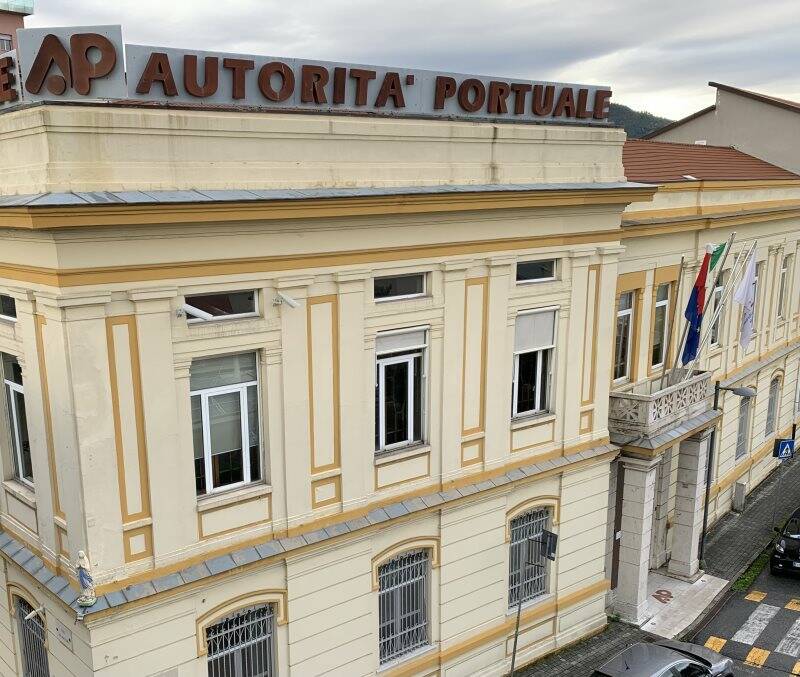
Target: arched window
column 527, row 564
column 32, row 635
column 403, row 604
column 242, row 644
column 772, row 405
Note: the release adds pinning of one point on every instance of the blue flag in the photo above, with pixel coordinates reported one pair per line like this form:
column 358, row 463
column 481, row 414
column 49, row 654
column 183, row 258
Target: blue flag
column 694, row 313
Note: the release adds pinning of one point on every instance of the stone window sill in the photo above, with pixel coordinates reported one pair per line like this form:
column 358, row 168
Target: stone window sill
column 393, row 455
column 21, row 492
column 220, row 500
column 532, row 420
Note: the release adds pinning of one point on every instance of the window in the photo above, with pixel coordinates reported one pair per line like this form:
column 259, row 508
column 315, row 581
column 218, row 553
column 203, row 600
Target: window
column 534, row 343
column 5, row 43
column 756, row 310
column 8, row 308
column 716, row 301
column 243, row 644
column 403, row 605
column 220, row 306
column 772, row 405
column 782, row 287
column 660, row 320
column 399, row 388
column 797, row 392
column 18, row 422
column 32, row 644
column 396, row 287
column 622, row 340
column 224, row 397
column 743, row 432
column 536, row 271
column 527, row 564
column 688, row 669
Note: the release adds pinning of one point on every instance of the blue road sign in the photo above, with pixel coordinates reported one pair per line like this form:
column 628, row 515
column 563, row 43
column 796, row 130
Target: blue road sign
column 783, row 449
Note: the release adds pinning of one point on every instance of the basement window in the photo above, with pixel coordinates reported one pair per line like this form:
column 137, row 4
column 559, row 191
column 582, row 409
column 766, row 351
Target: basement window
column 220, row 306
column 397, row 287
column 8, row 308
column 536, row 271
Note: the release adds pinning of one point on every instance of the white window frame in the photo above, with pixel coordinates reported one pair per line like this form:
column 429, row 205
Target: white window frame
column 207, row 393
column 539, row 372
column 620, row 313
column 661, row 304
column 538, row 279
column 401, row 297
column 797, row 391
column 220, row 318
column 8, row 318
column 773, row 406
column 743, row 428
column 15, row 437
column 407, row 356
column 782, row 288
column 10, row 39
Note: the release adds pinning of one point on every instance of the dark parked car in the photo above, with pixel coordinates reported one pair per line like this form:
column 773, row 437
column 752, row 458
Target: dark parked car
column 666, row 658
column 786, row 546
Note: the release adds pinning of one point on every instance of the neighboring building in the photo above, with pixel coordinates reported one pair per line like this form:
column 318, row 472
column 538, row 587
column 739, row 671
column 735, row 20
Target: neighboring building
column 739, row 119
column 12, row 17
column 438, row 337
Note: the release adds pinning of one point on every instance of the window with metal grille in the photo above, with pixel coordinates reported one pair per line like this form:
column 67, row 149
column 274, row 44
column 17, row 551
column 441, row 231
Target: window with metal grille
column 243, row 644
column 403, row 604
column 32, row 645
column 527, row 564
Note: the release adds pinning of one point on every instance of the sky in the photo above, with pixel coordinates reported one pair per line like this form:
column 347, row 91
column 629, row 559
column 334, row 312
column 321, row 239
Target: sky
column 656, row 55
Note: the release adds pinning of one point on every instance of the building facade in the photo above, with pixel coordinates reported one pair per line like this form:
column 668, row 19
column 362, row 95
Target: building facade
column 12, row 18
column 738, row 118
column 439, row 338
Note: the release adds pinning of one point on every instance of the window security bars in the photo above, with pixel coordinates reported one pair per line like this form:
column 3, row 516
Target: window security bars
column 32, row 641
column 243, row 644
column 403, row 605
column 527, row 564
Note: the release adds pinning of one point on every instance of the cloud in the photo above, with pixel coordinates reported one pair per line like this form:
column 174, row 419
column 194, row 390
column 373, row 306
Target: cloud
column 656, row 55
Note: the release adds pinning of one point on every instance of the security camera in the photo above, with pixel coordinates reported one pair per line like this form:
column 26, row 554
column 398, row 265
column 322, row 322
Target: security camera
column 34, row 613
column 285, row 298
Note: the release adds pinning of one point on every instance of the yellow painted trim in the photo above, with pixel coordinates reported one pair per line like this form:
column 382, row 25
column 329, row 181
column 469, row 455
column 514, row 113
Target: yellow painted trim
column 337, row 491
column 416, row 543
column 378, row 487
column 129, row 535
column 360, row 512
column 109, row 216
column 277, row 597
column 128, row 321
column 474, row 282
column 597, row 269
column 480, row 443
column 548, row 607
column 204, row 536
column 39, row 322
column 631, row 281
column 72, row 277
column 645, row 229
column 333, row 300
column 529, row 504
column 586, row 428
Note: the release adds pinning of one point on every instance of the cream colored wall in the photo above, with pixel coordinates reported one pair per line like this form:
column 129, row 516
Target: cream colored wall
column 776, row 239
column 333, row 609
column 62, row 148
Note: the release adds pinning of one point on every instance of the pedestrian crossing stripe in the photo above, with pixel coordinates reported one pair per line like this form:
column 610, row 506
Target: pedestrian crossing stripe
column 757, row 657
column 794, row 605
column 715, row 643
column 796, row 670
column 757, row 596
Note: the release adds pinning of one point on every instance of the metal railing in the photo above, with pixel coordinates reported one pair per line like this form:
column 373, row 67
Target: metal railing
column 527, row 570
column 242, row 644
column 403, row 605
column 32, row 644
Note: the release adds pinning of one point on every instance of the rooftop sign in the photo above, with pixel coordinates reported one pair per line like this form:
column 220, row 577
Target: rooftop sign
column 93, row 64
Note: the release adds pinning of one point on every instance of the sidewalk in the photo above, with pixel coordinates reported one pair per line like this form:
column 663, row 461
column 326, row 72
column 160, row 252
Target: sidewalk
column 732, row 544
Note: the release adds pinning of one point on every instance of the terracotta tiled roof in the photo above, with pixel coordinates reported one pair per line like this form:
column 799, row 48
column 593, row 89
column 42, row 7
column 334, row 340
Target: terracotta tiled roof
column 661, row 162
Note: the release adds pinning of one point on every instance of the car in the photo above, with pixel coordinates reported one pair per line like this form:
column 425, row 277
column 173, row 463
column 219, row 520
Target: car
column 785, row 557
column 666, row 658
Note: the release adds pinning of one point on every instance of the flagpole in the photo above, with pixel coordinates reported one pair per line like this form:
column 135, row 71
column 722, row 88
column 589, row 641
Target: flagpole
column 738, row 268
column 707, row 330
column 671, row 325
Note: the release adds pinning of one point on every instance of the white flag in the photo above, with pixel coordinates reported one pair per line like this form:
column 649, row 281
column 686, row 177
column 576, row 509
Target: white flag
column 745, row 296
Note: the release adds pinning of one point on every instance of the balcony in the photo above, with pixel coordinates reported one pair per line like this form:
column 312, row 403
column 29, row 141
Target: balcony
column 17, row 6
column 647, row 411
